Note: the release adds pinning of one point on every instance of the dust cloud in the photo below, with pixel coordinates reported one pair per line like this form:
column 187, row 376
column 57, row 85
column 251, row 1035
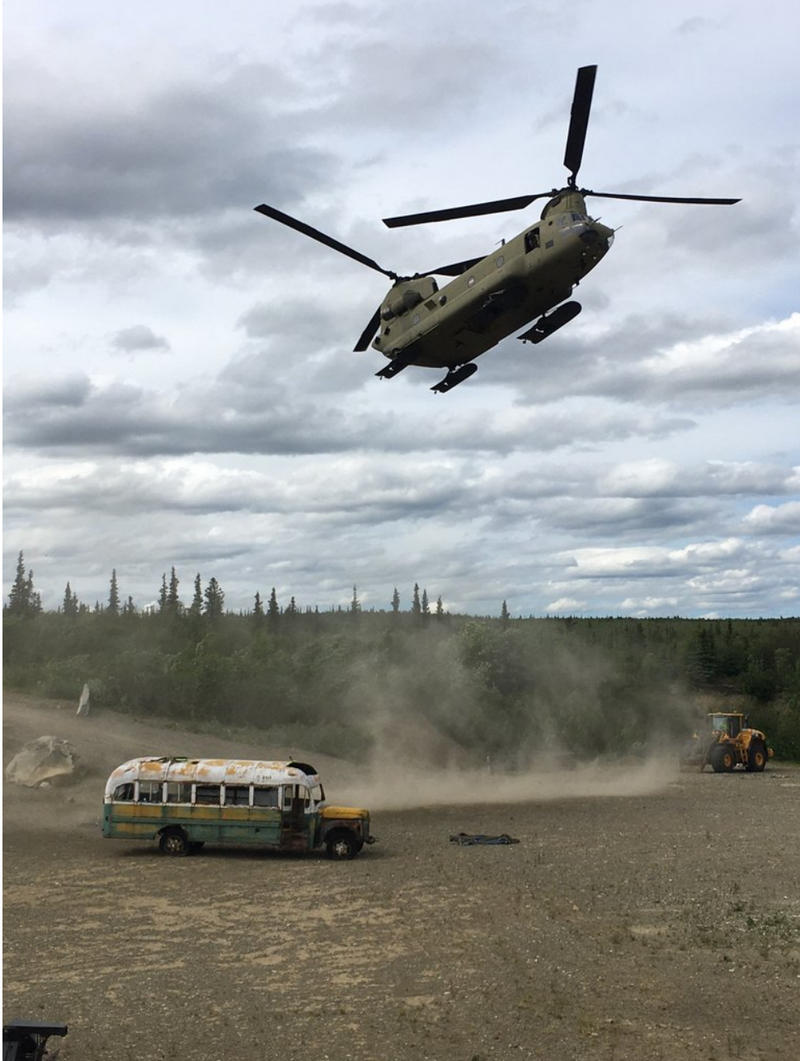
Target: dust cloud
column 391, row 784
column 414, row 763
column 417, row 759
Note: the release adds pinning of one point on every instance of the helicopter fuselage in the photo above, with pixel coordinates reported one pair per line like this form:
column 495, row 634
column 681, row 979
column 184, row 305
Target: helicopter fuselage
column 422, row 324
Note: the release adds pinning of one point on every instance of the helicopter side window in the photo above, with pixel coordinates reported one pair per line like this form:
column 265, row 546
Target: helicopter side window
column 531, row 240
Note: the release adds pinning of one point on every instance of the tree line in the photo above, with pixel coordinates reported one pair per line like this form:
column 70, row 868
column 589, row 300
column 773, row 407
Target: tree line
column 338, row 679
column 25, row 601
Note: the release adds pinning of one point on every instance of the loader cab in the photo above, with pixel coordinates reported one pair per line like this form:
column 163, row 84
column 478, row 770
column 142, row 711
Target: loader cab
column 729, row 725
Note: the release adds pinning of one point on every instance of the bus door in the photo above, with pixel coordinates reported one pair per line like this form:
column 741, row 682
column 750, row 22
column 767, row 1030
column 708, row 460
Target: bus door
column 294, row 829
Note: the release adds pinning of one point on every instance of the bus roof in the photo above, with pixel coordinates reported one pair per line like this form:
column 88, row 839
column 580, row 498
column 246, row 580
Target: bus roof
column 213, row 771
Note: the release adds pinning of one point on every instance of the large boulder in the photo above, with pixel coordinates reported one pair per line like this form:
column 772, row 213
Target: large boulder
column 46, row 759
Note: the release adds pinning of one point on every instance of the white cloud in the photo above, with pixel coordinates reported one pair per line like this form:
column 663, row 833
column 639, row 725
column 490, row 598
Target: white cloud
column 136, row 338
column 774, row 519
column 565, row 606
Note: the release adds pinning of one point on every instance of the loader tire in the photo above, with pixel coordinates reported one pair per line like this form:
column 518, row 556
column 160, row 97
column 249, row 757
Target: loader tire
column 722, row 759
column 757, row 757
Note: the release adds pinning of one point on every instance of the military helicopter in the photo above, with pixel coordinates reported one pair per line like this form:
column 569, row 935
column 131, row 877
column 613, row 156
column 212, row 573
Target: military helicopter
column 527, row 280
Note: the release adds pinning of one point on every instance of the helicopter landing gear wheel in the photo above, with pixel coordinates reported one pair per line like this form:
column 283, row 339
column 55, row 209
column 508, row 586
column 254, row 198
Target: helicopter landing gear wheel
column 545, row 326
column 454, row 377
column 397, row 364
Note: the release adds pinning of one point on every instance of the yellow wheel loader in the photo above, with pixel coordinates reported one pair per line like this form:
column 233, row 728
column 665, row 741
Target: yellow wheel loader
column 728, row 742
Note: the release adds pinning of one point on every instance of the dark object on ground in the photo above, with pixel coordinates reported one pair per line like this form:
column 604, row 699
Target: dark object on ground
column 468, row 839
column 26, row 1040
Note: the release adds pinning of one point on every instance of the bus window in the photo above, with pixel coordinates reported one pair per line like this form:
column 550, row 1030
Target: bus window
column 149, row 791
column 292, row 792
column 179, row 792
column 123, row 793
column 208, row 794
column 265, row 797
column 237, row 795
column 317, row 794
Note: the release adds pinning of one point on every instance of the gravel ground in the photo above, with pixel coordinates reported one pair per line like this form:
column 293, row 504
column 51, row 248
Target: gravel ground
column 644, row 914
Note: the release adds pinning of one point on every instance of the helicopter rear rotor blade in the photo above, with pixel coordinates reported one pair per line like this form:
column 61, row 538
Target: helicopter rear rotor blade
column 661, row 198
column 497, row 206
column 579, row 119
column 369, row 332
column 321, row 237
column 456, row 269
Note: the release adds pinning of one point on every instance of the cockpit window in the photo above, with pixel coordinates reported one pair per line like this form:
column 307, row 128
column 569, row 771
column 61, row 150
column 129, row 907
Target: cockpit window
column 531, row 240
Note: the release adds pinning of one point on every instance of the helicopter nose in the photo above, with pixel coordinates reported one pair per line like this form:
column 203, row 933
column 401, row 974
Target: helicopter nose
column 596, row 235
column 607, row 234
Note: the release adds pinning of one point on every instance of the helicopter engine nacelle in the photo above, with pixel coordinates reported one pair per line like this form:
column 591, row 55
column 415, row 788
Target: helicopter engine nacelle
column 406, row 295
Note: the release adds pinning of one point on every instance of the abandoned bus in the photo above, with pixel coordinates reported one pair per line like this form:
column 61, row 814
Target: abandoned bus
column 185, row 803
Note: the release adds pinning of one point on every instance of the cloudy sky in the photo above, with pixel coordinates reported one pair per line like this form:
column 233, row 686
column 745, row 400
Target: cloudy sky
column 180, row 385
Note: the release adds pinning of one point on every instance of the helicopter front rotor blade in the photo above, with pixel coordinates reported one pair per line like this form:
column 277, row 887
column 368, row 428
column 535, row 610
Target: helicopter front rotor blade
column 579, row 119
column 498, row 206
column 320, row 237
column 369, row 332
column 661, row 198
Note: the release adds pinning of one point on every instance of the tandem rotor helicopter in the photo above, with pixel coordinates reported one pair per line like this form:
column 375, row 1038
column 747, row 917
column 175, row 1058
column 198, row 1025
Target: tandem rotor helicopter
column 527, row 279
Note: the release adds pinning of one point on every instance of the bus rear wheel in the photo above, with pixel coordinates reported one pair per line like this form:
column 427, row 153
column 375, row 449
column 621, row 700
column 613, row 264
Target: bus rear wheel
column 342, row 846
column 173, row 842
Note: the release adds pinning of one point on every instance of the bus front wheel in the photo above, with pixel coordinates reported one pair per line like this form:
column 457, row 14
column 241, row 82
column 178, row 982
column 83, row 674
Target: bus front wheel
column 173, row 842
column 342, row 846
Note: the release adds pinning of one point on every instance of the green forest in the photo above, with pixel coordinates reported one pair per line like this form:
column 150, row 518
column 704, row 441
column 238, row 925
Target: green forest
column 499, row 687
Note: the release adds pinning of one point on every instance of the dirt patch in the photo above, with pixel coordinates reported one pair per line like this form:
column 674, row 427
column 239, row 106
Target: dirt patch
column 643, row 914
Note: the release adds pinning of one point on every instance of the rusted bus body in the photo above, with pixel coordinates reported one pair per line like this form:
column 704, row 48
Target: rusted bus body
column 185, row 803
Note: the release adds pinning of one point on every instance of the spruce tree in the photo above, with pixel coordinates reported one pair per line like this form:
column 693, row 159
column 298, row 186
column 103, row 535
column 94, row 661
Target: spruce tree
column 395, row 601
column 19, row 597
column 70, row 605
column 215, row 600
column 416, row 607
column 23, row 599
column 273, row 610
column 439, row 606
column 34, row 598
column 113, row 594
column 173, row 600
column 197, row 600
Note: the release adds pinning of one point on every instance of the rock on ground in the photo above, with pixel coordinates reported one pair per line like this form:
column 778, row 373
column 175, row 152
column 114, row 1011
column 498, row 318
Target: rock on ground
column 45, row 759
